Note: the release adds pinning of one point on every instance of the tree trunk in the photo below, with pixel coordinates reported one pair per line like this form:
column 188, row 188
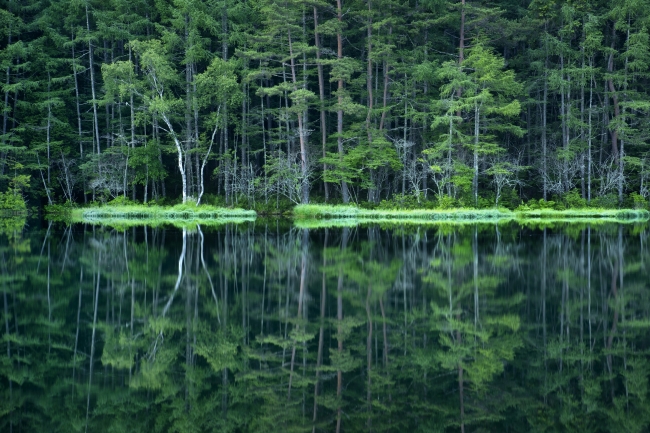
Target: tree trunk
column 304, row 199
column 179, row 154
column 589, row 132
column 544, row 110
column 614, row 95
column 321, row 334
column 5, row 111
column 477, row 113
column 92, row 82
column 321, row 94
column 372, row 189
column 339, row 112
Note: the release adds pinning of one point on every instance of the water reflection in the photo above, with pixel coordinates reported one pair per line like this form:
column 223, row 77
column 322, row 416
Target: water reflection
column 265, row 328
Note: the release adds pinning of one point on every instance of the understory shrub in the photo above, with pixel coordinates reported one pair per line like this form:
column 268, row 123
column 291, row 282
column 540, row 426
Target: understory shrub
column 446, row 202
column 12, row 202
column 573, row 199
column 607, row 201
column 637, row 201
column 401, row 202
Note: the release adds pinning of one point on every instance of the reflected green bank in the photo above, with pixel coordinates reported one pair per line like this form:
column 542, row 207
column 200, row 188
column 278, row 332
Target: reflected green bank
column 266, row 327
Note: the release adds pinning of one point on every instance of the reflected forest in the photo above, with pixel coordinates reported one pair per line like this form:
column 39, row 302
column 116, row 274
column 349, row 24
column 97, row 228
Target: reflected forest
column 264, row 327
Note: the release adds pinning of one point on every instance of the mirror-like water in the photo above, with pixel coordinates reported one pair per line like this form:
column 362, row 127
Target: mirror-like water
column 263, row 327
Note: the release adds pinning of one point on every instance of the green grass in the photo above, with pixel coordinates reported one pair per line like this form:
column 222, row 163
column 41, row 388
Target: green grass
column 125, row 223
column 588, row 213
column 316, row 216
column 324, row 211
column 129, row 215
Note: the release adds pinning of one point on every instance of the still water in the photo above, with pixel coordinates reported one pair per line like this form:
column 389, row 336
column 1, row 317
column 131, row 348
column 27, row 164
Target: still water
column 264, row 327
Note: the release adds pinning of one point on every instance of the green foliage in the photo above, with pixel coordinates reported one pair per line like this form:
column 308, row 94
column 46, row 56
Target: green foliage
column 572, row 199
column 12, row 202
column 406, row 201
column 638, row 201
column 103, row 99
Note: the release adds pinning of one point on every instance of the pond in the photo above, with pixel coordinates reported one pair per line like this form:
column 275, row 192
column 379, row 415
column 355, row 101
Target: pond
column 262, row 327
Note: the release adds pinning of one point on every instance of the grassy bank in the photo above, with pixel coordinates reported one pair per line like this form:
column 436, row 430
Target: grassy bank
column 137, row 214
column 125, row 223
column 326, row 215
column 337, row 212
column 587, row 213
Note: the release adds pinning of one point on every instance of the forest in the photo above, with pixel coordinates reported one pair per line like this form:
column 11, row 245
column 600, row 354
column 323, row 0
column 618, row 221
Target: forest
column 266, row 103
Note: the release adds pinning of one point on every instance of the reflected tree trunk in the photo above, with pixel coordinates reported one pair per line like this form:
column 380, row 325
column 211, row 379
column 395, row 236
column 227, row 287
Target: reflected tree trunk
column 76, row 337
column 369, row 360
column 92, row 344
column 321, row 334
column 303, row 277
column 181, row 260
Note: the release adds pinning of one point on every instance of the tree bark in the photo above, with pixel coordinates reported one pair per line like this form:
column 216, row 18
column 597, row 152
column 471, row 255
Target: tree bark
column 301, row 130
column 321, row 95
column 339, row 112
column 92, row 82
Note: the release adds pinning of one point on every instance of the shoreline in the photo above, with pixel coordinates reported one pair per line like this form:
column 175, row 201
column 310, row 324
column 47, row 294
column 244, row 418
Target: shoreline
column 138, row 214
column 320, row 212
column 336, row 215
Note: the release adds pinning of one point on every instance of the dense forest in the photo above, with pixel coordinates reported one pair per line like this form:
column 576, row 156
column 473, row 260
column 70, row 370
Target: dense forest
column 260, row 102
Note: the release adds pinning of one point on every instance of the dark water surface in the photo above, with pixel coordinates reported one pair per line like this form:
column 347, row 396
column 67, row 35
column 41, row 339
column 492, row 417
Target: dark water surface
column 267, row 328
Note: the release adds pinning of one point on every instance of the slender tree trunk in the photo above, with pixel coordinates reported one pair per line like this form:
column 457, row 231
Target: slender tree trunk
column 461, row 45
column 621, row 159
column 565, row 133
column 132, row 112
column 371, row 190
column 321, row 334
column 301, row 295
column 461, row 39
column 321, row 95
column 589, row 132
column 582, row 126
column 205, row 160
column 92, row 344
column 301, row 130
column 92, row 81
column 614, row 95
column 179, row 154
column 339, row 373
column 77, row 105
column 385, row 100
column 223, row 149
column 369, row 360
column 544, row 111
column 339, row 112
column 477, row 113
column 5, row 111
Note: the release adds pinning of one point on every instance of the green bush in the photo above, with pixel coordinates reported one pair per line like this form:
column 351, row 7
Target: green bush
column 446, row 202
column 282, row 205
column 607, row 201
column 120, row 201
column 59, row 210
column 546, row 204
column 485, row 202
column 12, row 202
column 400, row 202
column 638, row 201
column 573, row 199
